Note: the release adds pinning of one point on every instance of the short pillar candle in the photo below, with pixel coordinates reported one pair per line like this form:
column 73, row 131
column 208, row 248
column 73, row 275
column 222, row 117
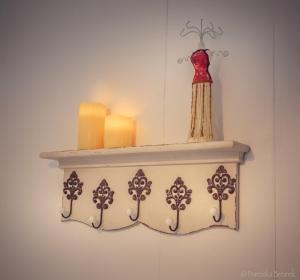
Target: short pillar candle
column 91, row 125
column 119, row 131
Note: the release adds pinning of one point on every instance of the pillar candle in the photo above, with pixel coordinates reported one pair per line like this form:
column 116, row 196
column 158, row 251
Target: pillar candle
column 119, row 131
column 91, row 125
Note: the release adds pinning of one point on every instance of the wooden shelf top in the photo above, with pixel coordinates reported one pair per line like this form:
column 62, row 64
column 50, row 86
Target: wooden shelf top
column 167, row 154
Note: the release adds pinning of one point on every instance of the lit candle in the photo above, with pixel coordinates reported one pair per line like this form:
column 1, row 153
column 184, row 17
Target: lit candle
column 91, row 125
column 119, row 131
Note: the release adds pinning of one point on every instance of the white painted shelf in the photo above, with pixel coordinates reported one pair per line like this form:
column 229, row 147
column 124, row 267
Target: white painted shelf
column 170, row 154
column 165, row 167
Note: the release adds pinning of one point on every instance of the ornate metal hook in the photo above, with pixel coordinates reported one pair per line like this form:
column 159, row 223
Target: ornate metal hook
column 139, row 187
column 72, row 188
column 221, row 181
column 178, row 196
column 102, row 196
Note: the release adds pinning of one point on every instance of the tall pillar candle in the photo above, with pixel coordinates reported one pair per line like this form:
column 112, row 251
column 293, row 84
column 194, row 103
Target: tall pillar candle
column 91, row 125
column 119, row 131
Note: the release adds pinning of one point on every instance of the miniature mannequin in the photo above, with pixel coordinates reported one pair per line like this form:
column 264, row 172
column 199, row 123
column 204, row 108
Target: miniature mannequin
column 201, row 119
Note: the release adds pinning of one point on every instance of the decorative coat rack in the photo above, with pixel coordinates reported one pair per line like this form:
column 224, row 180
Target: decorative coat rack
column 177, row 189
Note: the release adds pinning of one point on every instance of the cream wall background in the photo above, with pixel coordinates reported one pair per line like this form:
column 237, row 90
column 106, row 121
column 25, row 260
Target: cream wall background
column 56, row 54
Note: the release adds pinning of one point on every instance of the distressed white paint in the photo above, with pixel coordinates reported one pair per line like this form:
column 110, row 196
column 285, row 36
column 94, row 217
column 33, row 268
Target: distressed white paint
column 162, row 164
column 154, row 210
column 188, row 153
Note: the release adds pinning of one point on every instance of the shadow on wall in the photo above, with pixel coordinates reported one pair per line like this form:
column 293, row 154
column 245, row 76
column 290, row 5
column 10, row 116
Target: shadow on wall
column 249, row 156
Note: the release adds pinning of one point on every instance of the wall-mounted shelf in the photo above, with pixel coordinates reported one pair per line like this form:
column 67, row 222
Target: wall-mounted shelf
column 114, row 188
column 206, row 152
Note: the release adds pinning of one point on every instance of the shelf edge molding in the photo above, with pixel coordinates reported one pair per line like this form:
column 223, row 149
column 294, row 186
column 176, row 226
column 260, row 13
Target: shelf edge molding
column 168, row 154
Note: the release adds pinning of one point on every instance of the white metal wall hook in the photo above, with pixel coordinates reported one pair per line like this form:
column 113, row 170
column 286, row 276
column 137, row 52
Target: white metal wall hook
column 169, row 222
column 91, row 220
column 130, row 212
column 64, row 214
column 213, row 211
column 96, row 221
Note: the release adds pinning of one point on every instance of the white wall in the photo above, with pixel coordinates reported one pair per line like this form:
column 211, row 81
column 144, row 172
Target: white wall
column 55, row 54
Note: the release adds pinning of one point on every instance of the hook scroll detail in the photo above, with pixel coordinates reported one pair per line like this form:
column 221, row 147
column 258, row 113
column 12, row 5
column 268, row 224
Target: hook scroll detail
column 72, row 189
column 139, row 187
column 217, row 185
column 102, row 196
column 178, row 196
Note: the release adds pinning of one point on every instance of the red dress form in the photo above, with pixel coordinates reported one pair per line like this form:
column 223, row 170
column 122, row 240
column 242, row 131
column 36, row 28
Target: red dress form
column 200, row 61
column 201, row 120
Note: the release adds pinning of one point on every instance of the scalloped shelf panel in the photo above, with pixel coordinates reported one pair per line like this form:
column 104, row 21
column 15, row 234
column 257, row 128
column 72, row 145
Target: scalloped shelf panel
column 112, row 182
